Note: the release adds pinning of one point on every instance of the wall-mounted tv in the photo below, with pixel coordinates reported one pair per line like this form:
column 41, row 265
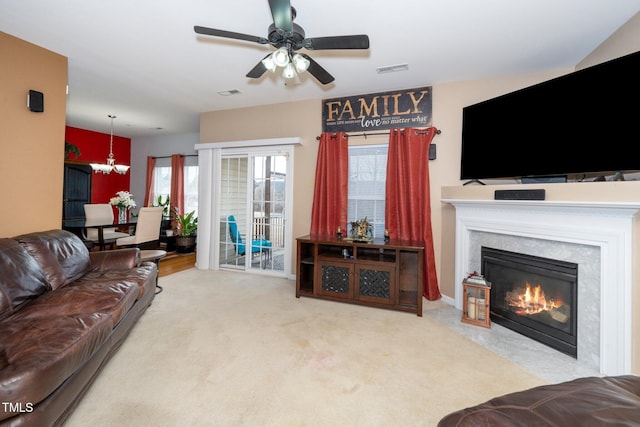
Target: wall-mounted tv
column 584, row 122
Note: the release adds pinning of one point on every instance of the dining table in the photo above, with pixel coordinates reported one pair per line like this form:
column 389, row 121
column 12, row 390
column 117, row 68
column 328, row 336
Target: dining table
column 77, row 226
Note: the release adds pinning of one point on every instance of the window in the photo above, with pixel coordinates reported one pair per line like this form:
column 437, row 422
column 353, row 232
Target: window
column 191, row 189
column 367, row 180
column 162, row 181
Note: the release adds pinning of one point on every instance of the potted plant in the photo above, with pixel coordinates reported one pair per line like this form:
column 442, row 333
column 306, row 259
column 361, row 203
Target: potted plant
column 166, row 212
column 186, row 228
column 69, row 149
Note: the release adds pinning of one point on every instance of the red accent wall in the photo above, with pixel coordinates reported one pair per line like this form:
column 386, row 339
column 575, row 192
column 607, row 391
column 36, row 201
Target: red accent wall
column 94, row 148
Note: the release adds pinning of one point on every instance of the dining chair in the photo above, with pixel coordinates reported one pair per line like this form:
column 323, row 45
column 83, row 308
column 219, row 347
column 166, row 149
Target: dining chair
column 147, row 233
column 100, row 214
column 258, row 246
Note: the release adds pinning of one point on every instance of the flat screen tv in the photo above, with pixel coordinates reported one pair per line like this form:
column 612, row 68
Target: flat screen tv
column 585, row 122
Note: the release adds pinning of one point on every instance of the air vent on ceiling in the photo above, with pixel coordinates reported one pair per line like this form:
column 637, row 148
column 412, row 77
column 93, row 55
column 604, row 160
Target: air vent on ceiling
column 392, row 68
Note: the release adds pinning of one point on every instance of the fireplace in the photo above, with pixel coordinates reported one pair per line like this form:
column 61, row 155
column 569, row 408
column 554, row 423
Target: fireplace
column 597, row 235
column 534, row 296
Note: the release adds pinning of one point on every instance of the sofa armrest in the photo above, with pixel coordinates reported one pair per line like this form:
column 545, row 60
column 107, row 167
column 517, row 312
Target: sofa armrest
column 118, row 259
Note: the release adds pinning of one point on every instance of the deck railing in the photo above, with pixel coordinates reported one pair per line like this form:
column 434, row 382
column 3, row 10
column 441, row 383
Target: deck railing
column 269, row 228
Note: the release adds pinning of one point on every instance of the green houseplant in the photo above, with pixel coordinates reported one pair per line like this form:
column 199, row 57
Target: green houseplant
column 166, row 211
column 186, row 228
column 69, row 149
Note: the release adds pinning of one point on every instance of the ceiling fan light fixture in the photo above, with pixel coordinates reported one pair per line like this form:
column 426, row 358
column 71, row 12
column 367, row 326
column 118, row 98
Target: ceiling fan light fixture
column 269, row 63
column 289, row 71
column 281, row 57
column 285, row 38
column 301, row 63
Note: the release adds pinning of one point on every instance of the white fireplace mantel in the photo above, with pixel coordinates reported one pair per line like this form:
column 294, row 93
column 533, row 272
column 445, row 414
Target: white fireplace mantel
column 606, row 225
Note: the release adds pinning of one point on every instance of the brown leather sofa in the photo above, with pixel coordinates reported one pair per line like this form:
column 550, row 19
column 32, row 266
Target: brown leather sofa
column 590, row 401
column 64, row 311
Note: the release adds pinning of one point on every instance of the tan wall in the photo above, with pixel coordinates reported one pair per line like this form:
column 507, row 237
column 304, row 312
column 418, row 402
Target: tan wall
column 624, row 41
column 31, row 144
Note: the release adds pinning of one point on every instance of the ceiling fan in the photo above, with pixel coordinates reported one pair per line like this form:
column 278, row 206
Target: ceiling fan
column 288, row 38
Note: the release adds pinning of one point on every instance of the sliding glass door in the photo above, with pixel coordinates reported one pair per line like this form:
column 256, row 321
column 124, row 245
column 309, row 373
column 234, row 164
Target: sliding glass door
column 253, row 211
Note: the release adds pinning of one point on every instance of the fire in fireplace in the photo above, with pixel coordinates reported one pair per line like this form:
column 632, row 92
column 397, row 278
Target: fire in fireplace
column 534, row 296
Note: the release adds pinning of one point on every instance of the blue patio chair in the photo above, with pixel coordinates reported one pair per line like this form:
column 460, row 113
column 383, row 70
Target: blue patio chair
column 258, row 246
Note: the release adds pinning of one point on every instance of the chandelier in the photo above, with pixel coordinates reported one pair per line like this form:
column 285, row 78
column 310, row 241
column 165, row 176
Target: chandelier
column 111, row 161
column 292, row 63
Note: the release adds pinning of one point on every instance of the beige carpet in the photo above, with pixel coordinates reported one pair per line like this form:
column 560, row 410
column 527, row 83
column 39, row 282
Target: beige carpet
column 231, row 349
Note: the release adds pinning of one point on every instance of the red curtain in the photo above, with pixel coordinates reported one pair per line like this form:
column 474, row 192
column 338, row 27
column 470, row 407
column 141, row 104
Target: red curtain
column 408, row 206
column 177, row 182
column 330, row 196
column 149, row 196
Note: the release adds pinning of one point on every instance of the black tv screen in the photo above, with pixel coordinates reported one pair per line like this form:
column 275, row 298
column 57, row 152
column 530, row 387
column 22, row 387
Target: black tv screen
column 584, row 122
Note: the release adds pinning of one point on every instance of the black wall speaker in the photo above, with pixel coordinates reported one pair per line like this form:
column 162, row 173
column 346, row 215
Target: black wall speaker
column 537, row 194
column 432, row 152
column 35, row 101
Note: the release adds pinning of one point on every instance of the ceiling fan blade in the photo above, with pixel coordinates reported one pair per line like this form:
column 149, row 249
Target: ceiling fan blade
column 257, row 71
column 281, row 12
column 318, row 72
column 229, row 35
column 360, row 41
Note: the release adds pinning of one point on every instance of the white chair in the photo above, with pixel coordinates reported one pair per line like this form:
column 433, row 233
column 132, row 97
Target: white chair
column 100, row 214
column 147, row 234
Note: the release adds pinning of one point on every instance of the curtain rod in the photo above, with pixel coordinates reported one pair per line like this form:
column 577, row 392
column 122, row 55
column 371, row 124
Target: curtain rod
column 168, row 157
column 438, row 132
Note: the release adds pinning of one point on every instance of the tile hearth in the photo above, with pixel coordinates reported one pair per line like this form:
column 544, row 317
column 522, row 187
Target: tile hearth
column 545, row 362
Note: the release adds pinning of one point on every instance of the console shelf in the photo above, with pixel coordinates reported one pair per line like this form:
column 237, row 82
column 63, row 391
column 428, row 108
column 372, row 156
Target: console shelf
column 377, row 274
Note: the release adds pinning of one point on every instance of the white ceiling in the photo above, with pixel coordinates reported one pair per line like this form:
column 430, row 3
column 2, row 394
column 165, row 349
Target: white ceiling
column 142, row 61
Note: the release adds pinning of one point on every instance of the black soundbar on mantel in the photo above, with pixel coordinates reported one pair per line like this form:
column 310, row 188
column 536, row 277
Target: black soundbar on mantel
column 533, row 194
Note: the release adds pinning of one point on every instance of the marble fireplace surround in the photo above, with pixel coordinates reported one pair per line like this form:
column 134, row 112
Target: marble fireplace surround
column 607, row 226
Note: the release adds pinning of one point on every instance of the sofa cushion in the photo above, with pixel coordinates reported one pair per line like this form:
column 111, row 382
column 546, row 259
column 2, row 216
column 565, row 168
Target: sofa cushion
column 120, row 259
column 589, row 401
column 41, row 355
column 139, row 275
column 61, row 253
column 113, row 297
column 21, row 278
